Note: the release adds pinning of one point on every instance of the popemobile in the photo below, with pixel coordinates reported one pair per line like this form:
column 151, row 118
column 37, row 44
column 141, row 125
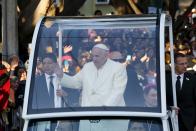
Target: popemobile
column 63, row 47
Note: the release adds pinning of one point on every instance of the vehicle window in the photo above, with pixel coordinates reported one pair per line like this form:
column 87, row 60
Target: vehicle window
column 71, row 74
column 96, row 125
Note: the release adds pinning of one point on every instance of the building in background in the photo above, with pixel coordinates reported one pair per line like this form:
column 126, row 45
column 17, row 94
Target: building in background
column 9, row 28
column 90, row 6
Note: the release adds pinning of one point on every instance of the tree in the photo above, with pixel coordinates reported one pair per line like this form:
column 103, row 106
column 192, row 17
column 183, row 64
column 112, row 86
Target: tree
column 29, row 13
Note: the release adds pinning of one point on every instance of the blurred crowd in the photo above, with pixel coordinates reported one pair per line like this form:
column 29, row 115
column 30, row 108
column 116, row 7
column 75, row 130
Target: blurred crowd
column 13, row 80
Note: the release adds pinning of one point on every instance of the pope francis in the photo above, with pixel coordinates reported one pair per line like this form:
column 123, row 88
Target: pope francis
column 103, row 82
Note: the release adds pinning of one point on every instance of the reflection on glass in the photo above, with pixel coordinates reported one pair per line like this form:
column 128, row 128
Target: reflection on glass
column 137, row 126
column 61, row 125
column 144, row 125
column 126, row 69
column 150, row 96
column 96, row 125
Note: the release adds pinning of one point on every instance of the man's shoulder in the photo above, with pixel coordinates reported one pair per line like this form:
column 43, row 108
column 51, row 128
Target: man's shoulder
column 114, row 63
column 190, row 76
column 40, row 77
column 188, row 73
column 87, row 65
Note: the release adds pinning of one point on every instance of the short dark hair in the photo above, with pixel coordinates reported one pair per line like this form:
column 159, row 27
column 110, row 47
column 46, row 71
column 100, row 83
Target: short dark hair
column 51, row 56
column 98, row 12
column 177, row 55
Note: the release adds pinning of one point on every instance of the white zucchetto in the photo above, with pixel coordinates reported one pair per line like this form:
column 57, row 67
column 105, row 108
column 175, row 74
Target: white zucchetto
column 101, row 46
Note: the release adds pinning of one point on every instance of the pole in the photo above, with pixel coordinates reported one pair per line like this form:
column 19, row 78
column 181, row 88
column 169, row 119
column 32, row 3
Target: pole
column 174, row 115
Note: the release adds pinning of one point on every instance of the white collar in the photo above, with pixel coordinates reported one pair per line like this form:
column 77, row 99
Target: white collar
column 48, row 76
column 181, row 75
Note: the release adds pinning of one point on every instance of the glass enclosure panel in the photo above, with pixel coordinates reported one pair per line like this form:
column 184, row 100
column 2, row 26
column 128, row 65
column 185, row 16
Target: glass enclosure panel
column 96, row 125
column 121, row 73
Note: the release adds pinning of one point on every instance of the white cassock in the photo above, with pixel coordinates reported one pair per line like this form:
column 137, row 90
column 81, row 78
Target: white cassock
column 100, row 87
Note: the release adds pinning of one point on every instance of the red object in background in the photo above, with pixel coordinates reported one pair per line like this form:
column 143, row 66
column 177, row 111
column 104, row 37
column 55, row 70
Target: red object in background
column 4, row 91
column 67, row 58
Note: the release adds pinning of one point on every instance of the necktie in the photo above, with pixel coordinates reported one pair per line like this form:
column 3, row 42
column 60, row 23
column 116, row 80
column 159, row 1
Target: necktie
column 51, row 90
column 178, row 86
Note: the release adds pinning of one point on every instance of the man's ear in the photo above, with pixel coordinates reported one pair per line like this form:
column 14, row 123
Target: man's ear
column 107, row 54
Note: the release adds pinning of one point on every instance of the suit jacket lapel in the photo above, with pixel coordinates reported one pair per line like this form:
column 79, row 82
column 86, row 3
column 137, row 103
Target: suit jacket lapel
column 44, row 91
column 44, row 86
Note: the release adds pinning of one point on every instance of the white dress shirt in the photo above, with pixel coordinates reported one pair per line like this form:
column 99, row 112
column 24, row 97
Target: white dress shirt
column 55, row 81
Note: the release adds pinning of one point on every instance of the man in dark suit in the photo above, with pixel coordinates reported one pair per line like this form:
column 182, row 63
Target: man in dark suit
column 133, row 94
column 47, row 93
column 185, row 93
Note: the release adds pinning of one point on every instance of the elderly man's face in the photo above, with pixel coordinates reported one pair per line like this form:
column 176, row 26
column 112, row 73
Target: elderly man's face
column 99, row 57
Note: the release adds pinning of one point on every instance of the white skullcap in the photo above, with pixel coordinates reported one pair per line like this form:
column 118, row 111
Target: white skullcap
column 101, row 46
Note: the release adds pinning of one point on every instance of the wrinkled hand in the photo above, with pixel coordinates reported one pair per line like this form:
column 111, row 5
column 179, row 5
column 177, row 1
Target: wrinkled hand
column 176, row 109
column 60, row 92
